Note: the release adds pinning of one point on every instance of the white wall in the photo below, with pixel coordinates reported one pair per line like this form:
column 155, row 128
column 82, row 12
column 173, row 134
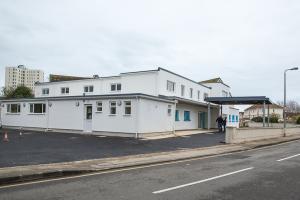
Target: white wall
column 217, row 88
column 233, row 112
column 165, row 76
column 24, row 118
column 146, row 116
column 131, row 83
column 255, row 112
column 194, row 112
column 153, row 116
column 103, row 121
column 66, row 115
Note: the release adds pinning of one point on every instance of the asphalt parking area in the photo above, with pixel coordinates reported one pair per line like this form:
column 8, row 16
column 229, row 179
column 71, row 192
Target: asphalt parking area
column 48, row 147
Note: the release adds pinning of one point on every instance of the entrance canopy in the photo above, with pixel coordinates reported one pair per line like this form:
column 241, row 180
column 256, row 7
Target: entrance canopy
column 243, row 101
column 239, row 100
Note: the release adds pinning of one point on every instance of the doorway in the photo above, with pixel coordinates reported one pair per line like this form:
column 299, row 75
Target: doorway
column 88, row 118
column 202, row 120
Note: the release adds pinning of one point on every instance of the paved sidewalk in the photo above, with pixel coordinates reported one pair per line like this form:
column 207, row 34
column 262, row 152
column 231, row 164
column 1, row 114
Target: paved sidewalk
column 47, row 147
column 32, row 172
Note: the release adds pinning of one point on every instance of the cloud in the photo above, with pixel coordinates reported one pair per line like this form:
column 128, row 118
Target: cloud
column 247, row 43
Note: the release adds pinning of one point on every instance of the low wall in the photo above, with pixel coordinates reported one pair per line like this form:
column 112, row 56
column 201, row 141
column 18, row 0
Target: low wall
column 236, row 135
column 272, row 125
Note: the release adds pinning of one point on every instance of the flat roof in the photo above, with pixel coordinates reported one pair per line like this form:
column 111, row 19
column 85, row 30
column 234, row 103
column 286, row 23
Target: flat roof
column 89, row 97
column 246, row 100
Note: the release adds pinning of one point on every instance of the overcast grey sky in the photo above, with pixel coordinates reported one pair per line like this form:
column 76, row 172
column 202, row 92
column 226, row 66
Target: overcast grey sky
column 248, row 43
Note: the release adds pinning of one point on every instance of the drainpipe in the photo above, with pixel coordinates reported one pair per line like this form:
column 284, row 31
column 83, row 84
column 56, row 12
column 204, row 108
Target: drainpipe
column 47, row 111
column 137, row 118
column 208, row 116
column 175, row 103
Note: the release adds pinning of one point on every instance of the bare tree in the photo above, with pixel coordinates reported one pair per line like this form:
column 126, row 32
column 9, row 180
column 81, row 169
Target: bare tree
column 291, row 106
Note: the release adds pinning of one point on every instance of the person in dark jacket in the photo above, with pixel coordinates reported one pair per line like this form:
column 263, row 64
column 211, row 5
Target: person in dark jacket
column 224, row 124
column 219, row 120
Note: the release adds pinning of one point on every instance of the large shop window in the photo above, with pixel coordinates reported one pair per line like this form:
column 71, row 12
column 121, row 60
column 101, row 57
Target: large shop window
column 13, row 108
column 37, row 108
column 187, row 116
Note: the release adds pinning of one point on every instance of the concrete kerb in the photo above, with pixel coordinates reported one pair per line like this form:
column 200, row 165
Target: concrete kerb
column 14, row 175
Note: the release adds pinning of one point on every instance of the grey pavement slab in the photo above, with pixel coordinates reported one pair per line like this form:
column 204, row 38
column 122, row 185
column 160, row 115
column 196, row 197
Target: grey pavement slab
column 47, row 147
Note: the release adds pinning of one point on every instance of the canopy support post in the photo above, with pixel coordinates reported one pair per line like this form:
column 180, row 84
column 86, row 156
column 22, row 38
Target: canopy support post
column 264, row 114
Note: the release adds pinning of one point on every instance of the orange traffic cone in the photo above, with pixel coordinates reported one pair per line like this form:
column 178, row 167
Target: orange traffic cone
column 5, row 139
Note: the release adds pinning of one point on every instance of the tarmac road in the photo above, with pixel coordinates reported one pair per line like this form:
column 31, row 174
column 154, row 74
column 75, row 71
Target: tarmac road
column 270, row 173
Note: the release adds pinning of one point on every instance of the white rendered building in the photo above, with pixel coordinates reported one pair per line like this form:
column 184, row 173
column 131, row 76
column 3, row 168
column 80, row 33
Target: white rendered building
column 129, row 104
column 257, row 111
column 20, row 75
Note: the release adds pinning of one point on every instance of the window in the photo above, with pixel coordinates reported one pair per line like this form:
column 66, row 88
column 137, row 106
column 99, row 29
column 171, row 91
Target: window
column 187, row 116
column 169, row 110
column 177, row 115
column 229, row 118
column 127, row 107
column 198, row 95
column 191, row 92
column 233, row 120
column 205, row 95
column 115, row 87
column 170, row 86
column 113, row 107
column 119, row 87
column 37, row 108
column 89, row 88
column 65, row 90
column 237, row 118
column 45, row 91
column 182, row 90
column 99, row 106
column 13, row 108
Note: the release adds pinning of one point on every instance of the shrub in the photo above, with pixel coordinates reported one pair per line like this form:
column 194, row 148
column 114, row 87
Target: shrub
column 257, row 119
column 274, row 119
column 298, row 120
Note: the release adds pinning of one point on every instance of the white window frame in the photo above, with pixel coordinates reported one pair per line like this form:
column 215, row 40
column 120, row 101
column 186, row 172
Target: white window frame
column 182, row 90
column 63, row 90
column 171, row 86
column 9, row 110
column 99, row 106
column 191, row 93
column 90, row 89
column 112, row 106
column 45, row 93
column 118, row 87
column 126, row 105
column 32, row 111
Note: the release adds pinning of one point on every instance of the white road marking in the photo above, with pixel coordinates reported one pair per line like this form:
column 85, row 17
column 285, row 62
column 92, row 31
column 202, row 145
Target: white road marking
column 201, row 181
column 288, row 157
